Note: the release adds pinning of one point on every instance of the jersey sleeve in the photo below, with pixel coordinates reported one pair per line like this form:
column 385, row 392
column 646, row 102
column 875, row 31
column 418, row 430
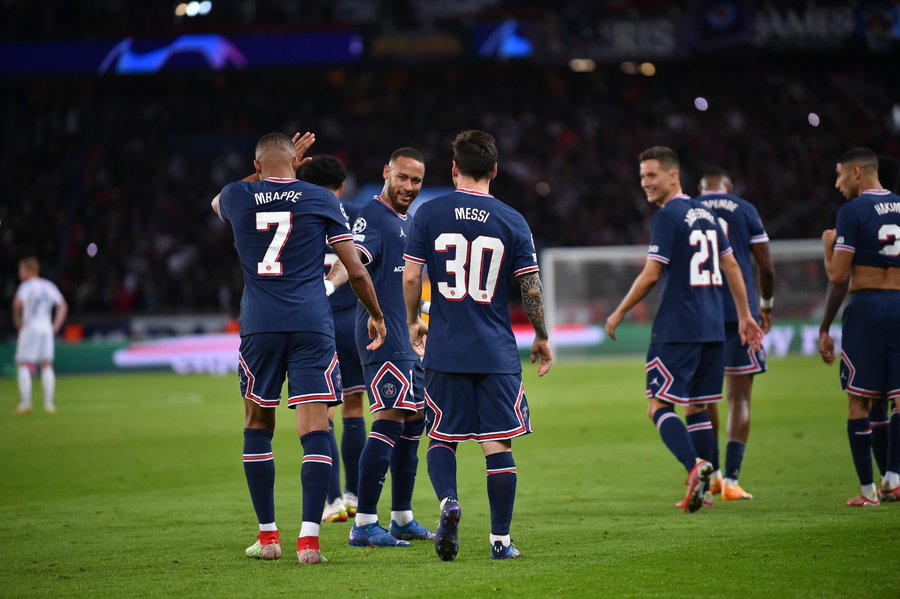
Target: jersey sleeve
column 336, row 226
column 755, row 227
column 724, row 245
column 367, row 236
column 524, row 256
column 415, row 247
column 662, row 238
column 846, row 229
column 55, row 295
column 225, row 199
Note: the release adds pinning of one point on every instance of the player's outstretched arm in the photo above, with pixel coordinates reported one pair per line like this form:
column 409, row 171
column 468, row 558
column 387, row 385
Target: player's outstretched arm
column 412, row 296
column 364, row 290
column 763, row 258
column 302, row 144
column 750, row 332
column 533, row 302
column 834, row 297
column 642, row 285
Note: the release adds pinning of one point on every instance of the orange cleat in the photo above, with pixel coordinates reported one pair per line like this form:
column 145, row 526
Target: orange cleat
column 715, row 483
column 731, row 491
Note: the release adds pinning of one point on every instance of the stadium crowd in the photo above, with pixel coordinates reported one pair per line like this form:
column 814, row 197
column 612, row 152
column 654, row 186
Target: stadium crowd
column 123, row 164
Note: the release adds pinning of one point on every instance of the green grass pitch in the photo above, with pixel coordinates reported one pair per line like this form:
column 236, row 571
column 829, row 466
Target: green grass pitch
column 136, row 489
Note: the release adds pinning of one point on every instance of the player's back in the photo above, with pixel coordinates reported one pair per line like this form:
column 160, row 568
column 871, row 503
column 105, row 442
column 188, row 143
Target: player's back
column 688, row 240
column 740, row 222
column 38, row 297
column 869, row 226
column 473, row 244
column 280, row 228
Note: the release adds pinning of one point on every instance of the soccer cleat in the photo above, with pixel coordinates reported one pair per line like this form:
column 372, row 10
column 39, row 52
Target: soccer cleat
column 862, row 501
column 890, row 495
column 446, row 539
column 501, row 551
column 697, row 479
column 372, row 535
column 707, row 501
column 733, row 492
column 350, row 503
column 410, row 532
column 335, row 511
column 22, row 410
column 715, row 483
column 269, row 551
column 51, row 410
column 308, row 551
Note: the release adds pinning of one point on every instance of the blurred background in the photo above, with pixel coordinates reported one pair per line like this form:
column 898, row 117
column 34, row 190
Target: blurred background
column 121, row 120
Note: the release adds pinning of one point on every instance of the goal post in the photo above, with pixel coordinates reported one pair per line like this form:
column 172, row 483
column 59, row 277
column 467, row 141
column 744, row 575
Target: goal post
column 583, row 285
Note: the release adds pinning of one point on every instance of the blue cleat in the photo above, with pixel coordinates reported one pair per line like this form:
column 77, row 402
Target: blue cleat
column 411, row 532
column 446, row 540
column 372, row 535
column 499, row 551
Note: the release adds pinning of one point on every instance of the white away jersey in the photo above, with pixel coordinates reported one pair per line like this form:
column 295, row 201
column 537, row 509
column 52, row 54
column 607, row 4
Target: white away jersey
column 39, row 297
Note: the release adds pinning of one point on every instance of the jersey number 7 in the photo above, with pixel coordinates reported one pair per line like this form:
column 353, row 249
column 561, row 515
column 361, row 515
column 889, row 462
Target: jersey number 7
column 270, row 266
column 467, row 266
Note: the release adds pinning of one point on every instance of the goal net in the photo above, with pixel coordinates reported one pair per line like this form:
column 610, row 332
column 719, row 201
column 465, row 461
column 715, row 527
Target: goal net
column 583, row 285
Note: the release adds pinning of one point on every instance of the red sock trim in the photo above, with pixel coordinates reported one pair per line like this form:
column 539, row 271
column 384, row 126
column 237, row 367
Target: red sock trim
column 307, row 543
column 268, row 538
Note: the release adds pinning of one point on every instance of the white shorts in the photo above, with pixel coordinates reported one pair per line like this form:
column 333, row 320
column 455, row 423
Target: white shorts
column 35, row 345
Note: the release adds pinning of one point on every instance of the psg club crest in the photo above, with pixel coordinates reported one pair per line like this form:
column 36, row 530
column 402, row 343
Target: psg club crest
column 389, row 390
column 359, row 226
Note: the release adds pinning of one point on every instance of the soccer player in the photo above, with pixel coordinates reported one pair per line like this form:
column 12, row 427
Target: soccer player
column 392, row 373
column 685, row 362
column 864, row 249
column 329, row 172
column 741, row 223
column 33, row 316
column 280, row 228
column 473, row 244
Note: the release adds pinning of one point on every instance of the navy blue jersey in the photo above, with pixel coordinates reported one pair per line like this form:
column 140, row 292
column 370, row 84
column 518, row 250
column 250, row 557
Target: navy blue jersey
column 740, row 222
column 280, row 228
column 381, row 234
column 869, row 227
column 472, row 244
column 686, row 237
column 343, row 298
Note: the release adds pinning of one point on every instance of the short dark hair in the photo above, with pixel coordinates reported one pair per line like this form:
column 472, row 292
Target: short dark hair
column 666, row 156
column 276, row 140
column 889, row 172
column 407, row 152
column 325, row 171
column 861, row 157
column 475, row 153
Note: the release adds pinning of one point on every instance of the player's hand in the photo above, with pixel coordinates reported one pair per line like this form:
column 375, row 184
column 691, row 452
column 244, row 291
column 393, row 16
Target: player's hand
column 611, row 323
column 419, row 337
column 826, row 347
column 765, row 320
column 540, row 350
column 828, row 237
column 302, row 144
column 377, row 333
column 751, row 334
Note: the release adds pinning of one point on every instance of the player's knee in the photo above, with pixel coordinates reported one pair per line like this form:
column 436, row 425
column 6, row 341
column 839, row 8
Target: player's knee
column 352, row 406
column 858, row 407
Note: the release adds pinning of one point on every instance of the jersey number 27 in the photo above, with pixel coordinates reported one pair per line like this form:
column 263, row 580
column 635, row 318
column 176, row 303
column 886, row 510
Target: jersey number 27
column 467, row 266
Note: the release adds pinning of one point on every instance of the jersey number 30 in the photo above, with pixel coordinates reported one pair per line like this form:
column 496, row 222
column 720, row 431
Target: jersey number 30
column 270, row 266
column 467, row 267
column 707, row 244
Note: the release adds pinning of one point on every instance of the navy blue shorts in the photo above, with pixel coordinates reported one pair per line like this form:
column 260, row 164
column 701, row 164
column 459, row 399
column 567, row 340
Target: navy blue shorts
column 395, row 385
column 348, row 355
column 475, row 407
column 308, row 359
column 870, row 344
column 738, row 358
column 686, row 373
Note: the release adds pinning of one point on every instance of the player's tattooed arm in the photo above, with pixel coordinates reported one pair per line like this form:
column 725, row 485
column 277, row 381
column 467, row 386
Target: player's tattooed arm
column 533, row 302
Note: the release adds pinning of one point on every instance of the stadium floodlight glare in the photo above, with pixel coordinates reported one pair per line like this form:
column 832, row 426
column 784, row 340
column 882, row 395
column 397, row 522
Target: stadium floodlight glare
column 181, row 9
column 582, row 65
column 648, row 69
column 193, row 9
column 205, row 7
column 701, row 104
column 91, row 250
column 813, row 119
column 628, row 67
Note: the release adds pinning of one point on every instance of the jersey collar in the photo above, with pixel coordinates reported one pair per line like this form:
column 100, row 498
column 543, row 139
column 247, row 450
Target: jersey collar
column 876, row 192
column 386, row 205
column 473, row 192
column 279, row 180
